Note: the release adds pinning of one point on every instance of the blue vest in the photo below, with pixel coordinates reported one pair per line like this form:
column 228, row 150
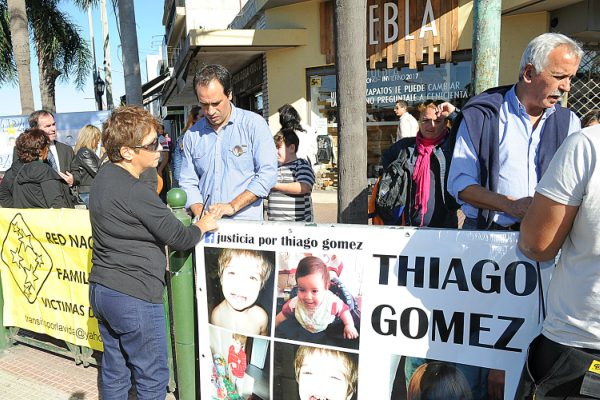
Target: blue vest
column 481, row 115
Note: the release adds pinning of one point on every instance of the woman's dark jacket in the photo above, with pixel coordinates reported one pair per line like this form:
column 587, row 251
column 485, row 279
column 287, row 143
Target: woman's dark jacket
column 37, row 185
column 84, row 168
column 441, row 208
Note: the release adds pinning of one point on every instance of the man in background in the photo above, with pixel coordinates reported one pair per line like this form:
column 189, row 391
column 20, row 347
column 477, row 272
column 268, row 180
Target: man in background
column 60, row 154
column 407, row 124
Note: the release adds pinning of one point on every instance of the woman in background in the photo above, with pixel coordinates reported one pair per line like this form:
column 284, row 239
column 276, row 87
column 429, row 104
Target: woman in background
column 194, row 116
column 86, row 163
column 290, row 119
column 34, row 183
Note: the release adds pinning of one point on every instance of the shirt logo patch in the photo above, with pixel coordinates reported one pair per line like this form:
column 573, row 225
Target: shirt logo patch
column 239, row 150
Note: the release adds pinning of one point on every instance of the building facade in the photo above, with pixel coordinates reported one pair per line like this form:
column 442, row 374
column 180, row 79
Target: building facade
column 282, row 51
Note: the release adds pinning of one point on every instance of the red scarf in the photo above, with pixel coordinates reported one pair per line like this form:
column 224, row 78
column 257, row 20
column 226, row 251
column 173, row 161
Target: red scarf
column 421, row 175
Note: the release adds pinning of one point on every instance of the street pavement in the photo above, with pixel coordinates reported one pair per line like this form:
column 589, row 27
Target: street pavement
column 28, row 373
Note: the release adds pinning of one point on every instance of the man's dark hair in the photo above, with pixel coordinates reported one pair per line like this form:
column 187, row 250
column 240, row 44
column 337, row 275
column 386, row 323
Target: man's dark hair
column 213, row 71
column 289, row 118
column 287, row 136
column 35, row 116
column 402, row 104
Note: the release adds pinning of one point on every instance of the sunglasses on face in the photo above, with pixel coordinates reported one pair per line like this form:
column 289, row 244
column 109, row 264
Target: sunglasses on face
column 152, row 146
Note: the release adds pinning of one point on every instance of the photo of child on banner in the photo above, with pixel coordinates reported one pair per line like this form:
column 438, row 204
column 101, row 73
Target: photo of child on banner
column 240, row 367
column 307, row 373
column 313, row 304
column 240, row 289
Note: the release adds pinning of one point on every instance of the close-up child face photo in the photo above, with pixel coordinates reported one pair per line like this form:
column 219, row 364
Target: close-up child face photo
column 241, row 282
column 323, row 377
column 311, row 290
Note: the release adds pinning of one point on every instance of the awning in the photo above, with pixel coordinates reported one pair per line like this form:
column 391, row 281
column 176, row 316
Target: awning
column 232, row 48
column 152, row 89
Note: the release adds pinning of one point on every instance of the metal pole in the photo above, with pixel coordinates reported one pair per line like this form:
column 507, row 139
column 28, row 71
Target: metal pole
column 106, row 47
column 4, row 341
column 183, row 306
column 95, row 74
column 486, row 44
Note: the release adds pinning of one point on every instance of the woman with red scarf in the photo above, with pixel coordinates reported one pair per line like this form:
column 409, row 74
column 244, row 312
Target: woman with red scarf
column 428, row 159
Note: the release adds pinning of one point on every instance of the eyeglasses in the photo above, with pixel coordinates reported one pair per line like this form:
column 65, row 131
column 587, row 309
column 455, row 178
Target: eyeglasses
column 152, row 146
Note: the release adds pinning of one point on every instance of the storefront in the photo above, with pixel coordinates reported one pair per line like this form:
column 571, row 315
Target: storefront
column 249, row 86
column 416, row 50
column 444, row 82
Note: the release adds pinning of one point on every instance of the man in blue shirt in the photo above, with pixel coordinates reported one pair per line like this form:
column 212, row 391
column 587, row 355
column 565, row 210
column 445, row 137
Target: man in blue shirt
column 230, row 160
column 504, row 143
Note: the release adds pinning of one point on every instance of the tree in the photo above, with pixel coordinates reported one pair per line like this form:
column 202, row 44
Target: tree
column 61, row 51
column 351, row 73
column 131, row 58
column 14, row 48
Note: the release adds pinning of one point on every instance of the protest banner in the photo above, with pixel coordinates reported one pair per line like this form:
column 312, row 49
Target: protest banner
column 463, row 297
column 46, row 260
column 68, row 126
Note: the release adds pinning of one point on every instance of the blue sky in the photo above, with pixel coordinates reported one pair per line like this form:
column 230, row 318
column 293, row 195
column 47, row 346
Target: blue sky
column 148, row 17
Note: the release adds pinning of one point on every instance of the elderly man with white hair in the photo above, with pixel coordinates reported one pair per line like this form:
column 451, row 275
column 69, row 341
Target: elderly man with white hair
column 505, row 141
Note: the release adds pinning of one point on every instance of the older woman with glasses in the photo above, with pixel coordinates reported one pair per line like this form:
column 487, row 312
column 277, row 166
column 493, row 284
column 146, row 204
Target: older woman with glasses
column 31, row 182
column 130, row 226
column 428, row 159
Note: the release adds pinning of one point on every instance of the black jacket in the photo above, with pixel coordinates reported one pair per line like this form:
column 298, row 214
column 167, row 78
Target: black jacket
column 84, row 168
column 37, row 185
column 6, row 187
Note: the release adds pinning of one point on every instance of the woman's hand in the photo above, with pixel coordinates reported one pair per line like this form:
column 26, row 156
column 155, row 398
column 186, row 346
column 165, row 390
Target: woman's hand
column 207, row 223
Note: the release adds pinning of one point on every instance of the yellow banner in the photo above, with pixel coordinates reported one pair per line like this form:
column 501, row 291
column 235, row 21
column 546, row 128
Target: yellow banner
column 46, row 260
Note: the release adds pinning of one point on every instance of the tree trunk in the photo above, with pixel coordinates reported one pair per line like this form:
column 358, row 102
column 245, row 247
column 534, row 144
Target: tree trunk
column 351, row 73
column 48, row 76
column 131, row 59
column 20, row 41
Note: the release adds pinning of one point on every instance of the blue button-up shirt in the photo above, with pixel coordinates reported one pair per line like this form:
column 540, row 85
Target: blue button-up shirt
column 518, row 144
column 242, row 156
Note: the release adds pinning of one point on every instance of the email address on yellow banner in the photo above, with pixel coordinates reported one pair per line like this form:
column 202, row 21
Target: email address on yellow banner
column 80, row 333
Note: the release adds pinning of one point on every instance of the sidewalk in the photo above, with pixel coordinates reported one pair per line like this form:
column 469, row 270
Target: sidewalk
column 28, row 373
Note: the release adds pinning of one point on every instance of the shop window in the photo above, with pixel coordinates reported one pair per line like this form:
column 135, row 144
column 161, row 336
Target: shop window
column 448, row 81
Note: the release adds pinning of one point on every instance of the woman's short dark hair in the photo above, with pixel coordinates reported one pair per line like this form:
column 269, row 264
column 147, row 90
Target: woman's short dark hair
column 30, row 144
column 289, row 118
column 126, row 126
column 213, row 71
column 438, row 381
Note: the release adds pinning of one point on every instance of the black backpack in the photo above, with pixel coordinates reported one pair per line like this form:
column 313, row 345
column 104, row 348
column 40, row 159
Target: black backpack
column 393, row 192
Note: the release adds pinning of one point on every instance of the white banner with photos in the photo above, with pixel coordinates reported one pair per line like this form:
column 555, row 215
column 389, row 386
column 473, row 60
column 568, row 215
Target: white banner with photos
column 290, row 311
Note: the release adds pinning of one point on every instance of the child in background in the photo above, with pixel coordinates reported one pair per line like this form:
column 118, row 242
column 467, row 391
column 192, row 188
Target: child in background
column 236, row 360
column 324, row 374
column 316, row 307
column 243, row 274
column 289, row 199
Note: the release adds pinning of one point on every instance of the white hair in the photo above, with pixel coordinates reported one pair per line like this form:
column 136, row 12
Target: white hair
column 539, row 48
